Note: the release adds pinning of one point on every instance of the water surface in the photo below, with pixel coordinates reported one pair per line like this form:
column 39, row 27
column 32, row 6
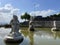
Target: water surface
column 41, row 37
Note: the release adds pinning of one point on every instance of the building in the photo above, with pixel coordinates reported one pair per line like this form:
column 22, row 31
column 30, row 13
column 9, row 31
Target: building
column 47, row 22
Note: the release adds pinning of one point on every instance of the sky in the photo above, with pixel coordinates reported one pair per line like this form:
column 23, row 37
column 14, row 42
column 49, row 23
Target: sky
column 33, row 7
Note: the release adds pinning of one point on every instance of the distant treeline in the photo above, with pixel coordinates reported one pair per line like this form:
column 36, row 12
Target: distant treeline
column 27, row 16
column 6, row 25
column 23, row 24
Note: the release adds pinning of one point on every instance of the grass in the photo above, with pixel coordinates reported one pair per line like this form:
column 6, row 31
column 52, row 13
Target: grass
column 43, row 28
column 26, row 28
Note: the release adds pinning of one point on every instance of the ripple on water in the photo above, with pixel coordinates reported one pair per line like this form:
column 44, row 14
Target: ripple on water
column 3, row 32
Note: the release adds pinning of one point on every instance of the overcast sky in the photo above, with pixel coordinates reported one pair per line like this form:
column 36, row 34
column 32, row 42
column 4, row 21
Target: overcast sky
column 33, row 7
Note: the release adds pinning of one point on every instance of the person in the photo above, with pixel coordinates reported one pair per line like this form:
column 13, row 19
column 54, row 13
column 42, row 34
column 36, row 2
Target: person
column 14, row 24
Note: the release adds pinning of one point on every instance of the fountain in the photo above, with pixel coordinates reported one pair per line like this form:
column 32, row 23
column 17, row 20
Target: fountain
column 55, row 28
column 14, row 36
column 31, row 27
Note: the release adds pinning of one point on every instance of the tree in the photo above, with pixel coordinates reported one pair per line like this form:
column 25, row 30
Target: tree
column 26, row 16
column 59, row 15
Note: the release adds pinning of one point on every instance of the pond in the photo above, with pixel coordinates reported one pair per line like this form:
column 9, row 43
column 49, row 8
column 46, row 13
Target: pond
column 40, row 37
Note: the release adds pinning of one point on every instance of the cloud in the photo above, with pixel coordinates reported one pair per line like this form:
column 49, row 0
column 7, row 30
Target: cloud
column 43, row 13
column 15, row 11
column 6, row 13
column 8, row 6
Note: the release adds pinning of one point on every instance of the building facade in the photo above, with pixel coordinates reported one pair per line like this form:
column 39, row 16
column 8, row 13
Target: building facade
column 40, row 21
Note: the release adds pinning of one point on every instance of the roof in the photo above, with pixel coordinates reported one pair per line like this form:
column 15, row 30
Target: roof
column 39, row 18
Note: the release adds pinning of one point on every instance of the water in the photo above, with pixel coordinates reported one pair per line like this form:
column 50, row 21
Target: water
column 33, row 38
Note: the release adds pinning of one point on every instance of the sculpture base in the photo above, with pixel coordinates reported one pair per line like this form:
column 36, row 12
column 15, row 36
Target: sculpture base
column 13, row 39
column 31, row 29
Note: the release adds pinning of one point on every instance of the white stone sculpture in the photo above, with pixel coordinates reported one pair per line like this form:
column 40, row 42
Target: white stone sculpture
column 15, row 24
column 31, row 27
column 55, row 28
column 15, row 35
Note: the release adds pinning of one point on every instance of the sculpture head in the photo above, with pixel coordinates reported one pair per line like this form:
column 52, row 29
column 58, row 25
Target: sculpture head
column 31, row 18
column 15, row 17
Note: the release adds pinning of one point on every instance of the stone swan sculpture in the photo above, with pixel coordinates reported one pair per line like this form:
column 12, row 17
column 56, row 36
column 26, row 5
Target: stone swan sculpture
column 31, row 26
column 14, row 36
column 55, row 28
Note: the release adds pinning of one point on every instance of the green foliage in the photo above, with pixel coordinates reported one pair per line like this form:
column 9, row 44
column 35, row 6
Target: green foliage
column 53, row 16
column 26, row 16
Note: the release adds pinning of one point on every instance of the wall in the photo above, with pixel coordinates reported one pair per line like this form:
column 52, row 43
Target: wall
column 47, row 24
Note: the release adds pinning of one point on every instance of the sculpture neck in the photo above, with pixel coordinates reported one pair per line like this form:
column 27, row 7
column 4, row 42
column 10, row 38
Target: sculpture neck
column 54, row 23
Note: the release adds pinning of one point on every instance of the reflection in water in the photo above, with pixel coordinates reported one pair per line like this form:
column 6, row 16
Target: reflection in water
column 56, row 34
column 41, row 37
column 31, row 36
column 12, row 43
